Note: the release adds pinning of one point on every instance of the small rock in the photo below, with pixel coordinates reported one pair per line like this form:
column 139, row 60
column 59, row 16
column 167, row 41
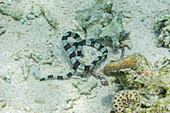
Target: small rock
column 30, row 17
column 2, row 30
column 36, row 10
column 27, row 108
column 67, row 105
column 127, row 15
column 85, row 88
column 92, row 95
column 26, row 70
column 6, row 77
column 2, row 103
column 14, row 12
column 35, row 71
column 52, row 20
column 40, row 100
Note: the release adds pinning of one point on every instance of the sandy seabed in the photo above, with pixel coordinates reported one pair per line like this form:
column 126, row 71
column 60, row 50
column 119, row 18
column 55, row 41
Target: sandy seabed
column 31, row 95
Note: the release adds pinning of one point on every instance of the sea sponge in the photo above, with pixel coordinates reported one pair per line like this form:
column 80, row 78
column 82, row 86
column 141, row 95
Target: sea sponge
column 125, row 99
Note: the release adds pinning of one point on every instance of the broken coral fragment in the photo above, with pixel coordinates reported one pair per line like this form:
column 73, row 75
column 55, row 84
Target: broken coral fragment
column 35, row 12
column 162, row 28
column 49, row 16
column 6, row 77
column 35, row 71
column 26, row 70
column 35, row 57
column 85, row 88
column 12, row 11
column 2, row 30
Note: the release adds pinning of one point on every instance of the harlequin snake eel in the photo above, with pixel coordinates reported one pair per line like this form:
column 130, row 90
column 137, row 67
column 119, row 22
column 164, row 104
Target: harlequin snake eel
column 71, row 50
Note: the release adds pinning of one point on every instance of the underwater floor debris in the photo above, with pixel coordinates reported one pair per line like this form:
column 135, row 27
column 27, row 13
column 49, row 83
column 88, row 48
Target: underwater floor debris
column 162, row 29
column 134, row 73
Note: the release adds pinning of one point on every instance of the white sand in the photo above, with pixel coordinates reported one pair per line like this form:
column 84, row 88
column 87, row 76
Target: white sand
column 21, row 96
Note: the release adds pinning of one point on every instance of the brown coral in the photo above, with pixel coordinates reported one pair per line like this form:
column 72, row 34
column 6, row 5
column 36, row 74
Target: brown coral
column 135, row 61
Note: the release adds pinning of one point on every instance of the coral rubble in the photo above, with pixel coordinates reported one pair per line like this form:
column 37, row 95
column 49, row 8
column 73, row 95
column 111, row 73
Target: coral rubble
column 14, row 12
column 26, row 70
column 162, row 28
column 85, row 88
column 133, row 72
column 49, row 16
column 35, row 12
column 2, row 30
column 100, row 22
column 6, row 77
